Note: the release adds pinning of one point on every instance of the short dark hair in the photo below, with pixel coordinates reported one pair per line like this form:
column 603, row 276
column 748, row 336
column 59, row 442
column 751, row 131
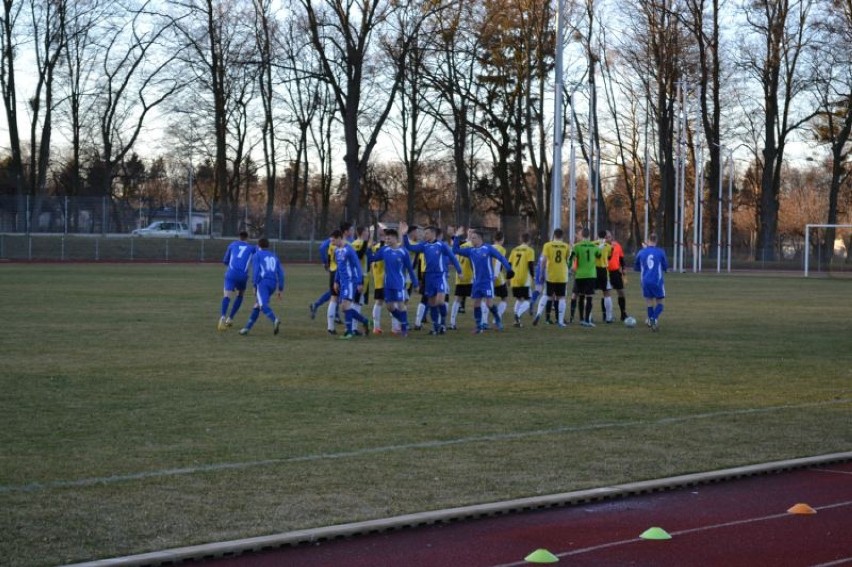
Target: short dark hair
column 337, row 233
column 391, row 232
column 558, row 233
column 525, row 237
column 345, row 226
column 413, row 228
column 263, row 243
column 438, row 231
column 498, row 235
column 243, row 234
column 586, row 232
column 602, row 233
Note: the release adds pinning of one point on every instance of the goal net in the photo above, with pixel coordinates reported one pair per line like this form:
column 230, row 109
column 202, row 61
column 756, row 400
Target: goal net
column 828, row 249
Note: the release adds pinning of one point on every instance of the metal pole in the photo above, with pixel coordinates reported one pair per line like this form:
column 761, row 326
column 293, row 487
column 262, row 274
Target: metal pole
column 189, row 213
column 719, row 220
column 558, row 114
column 647, row 178
column 681, row 227
column 807, row 247
column 675, row 255
column 730, row 203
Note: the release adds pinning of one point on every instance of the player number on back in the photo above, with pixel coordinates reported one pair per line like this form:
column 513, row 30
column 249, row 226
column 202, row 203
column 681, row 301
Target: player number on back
column 650, row 262
column 558, row 257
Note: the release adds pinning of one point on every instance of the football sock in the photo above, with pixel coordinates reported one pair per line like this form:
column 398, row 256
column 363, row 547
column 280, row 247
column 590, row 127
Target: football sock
column 582, row 308
column 255, row 313
column 237, row 304
column 267, row 310
column 435, row 314
column 650, row 312
column 523, row 307
column 348, row 320
column 377, row 316
column 496, row 312
column 549, row 308
column 540, row 309
column 658, row 311
column 607, row 308
column 603, row 308
column 501, row 308
column 560, row 311
column 352, row 315
column 485, row 317
column 573, row 307
column 225, row 302
column 421, row 311
column 622, row 305
column 442, row 310
column 477, row 316
column 330, row 314
column 454, row 312
column 589, row 303
column 535, row 295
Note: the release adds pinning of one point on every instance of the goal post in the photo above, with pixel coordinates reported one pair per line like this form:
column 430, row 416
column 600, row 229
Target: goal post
column 809, row 228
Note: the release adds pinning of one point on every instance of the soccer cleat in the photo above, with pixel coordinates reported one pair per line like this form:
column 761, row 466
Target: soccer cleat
column 434, row 332
column 442, row 330
column 338, row 320
column 478, row 330
column 229, row 322
column 498, row 324
column 313, row 309
column 331, row 332
column 654, row 326
column 377, row 331
column 648, row 322
column 244, row 331
column 368, row 327
column 548, row 321
column 221, row 326
column 276, row 326
column 452, row 328
column 609, row 321
column 562, row 325
column 536, row 319
column 346, row 336
column 418, row 327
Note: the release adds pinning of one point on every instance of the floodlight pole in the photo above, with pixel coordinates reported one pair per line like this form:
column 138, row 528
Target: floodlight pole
column 558, row 114
column 730, row 203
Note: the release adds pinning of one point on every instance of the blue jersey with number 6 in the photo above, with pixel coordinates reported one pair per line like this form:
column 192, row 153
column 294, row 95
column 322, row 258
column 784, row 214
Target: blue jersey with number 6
column 652, row 263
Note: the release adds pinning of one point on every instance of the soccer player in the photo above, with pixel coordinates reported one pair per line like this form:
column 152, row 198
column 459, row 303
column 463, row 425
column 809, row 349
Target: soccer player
column 397, row 265
column 238, row 258
column 464, row 281
column 268, row 276
column 377, row 269
column 652, row 262
column 326, row 253
column 586, row 253
column 602, row 278
column 501, row 287
column 361, row 245
column 522, row 259
column 349, row 282
column 436, row 257
column 616, row 273
column 480, row 255
column 555, row 254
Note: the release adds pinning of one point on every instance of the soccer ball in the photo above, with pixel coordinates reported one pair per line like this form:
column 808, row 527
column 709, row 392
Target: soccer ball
column 630, row 322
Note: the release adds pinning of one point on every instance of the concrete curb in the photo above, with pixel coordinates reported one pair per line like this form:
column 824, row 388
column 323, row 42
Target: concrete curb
column 255, row 544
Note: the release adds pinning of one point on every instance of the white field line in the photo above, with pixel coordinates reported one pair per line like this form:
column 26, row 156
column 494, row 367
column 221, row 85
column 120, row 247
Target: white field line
column 637, row 539
column 436, row 444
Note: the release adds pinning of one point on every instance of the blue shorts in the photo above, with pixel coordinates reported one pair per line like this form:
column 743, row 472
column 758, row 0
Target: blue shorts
column 394, row 295
column 347, row 291
column 481, row 291
column 236, row 282
column 436, row 283
column 653, row 291
column 264, row 290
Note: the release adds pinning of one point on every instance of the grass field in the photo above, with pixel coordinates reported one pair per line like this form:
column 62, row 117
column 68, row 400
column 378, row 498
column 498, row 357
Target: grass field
column 130, row 424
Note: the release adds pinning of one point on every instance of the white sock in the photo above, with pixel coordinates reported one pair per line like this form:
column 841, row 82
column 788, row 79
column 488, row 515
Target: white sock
column 542, row 302
column 523, row 307
column 332, row 308
column 608, row 307
column 485, row 312
column 395, row 324
column 501, row 308
column 561, row 311
column 421, row 311
column 454, row 312
column 377, row 316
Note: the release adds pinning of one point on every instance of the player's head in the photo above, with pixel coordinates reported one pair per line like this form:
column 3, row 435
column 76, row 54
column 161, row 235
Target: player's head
column 243, row 235
column 558, row 234
column 346, row 228
column 263, row 243
column 430, row 233
column 413, row 230
column 585, row 233
column 602, row 234
column 525, row 237
column 363, row 232
column 499, row 237
column 336, row 237
column 652, row 239
column 391, row 236
column 476, row 237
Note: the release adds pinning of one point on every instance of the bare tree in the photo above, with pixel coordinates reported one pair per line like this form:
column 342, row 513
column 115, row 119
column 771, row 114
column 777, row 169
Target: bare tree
column 781, row 31
column 8, row 87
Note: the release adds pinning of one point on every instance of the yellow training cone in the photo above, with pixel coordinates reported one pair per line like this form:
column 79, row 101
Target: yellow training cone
column 541, row 556
column 802, row 509
column 655, row 533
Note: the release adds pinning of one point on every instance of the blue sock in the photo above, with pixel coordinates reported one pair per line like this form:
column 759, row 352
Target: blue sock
column 496, row 314
column 658, row 311
column 237, row 303
column 255, row 313
column 225, row 302
column 650, row 313
column 348, row 319
column 442, row 309
column 477, row 316
column 352, row 314
column 435, row 313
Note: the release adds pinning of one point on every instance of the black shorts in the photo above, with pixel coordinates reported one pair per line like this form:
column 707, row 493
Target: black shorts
column 585, row 286
column 379, row 294
column 616, row 280
column 331, row 277
column 521, row 292
column 463, row 290
column 602, row 282
column 555, row 288
column 501, row 291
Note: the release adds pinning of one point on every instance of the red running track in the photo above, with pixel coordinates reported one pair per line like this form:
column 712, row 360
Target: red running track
column 740, row 522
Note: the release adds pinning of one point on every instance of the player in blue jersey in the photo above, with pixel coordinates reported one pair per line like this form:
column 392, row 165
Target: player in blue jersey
column 326, row 254
column 238, row 259
column 651, row 261
column 349, row 283
column 268, row 277
column 437, row 258
column 480, row 256
column 397, row 264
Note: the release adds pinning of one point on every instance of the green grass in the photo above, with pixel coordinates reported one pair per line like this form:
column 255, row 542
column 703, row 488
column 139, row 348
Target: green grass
column 120, row 401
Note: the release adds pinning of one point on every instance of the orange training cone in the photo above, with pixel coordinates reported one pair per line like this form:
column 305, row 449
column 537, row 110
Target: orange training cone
column 802, row 509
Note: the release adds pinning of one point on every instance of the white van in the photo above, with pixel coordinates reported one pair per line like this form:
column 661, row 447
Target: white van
column 169, row 229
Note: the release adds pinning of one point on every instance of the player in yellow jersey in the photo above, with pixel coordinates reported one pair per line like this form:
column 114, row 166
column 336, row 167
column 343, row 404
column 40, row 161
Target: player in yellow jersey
column 522, row 259
column 464, row 285
column 602, row 283
column 555, row 254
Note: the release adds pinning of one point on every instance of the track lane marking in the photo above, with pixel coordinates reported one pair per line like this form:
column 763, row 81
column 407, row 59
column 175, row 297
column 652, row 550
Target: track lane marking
column 699, row 529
